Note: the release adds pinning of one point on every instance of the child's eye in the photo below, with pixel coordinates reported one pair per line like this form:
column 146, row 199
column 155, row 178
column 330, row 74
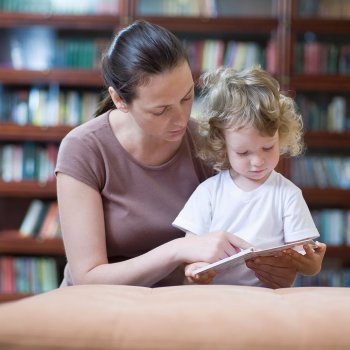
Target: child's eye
column 266, row 149
column 242, row 154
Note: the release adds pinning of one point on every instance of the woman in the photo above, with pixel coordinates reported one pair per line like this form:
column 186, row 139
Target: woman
column 123, row 177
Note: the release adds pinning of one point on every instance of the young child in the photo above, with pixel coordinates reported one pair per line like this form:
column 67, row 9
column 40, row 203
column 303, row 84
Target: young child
column 249, row 124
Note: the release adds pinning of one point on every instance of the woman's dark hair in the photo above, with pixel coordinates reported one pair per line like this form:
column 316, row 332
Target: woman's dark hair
column 138, row 51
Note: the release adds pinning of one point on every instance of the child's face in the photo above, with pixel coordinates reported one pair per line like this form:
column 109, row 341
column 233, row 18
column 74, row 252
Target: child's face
column 252, row 155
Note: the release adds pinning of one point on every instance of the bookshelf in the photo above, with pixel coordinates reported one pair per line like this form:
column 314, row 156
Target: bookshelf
column 321, row 29
column 276, row 27
column 71, row 78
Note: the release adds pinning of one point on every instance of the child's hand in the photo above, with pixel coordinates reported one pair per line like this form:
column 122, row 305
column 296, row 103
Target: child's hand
column 310, row 263
column 204, row 278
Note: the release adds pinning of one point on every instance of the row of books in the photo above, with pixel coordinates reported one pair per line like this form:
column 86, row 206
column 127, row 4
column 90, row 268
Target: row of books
column 47, row 106
column 321, row 171
column 28, row 161
column 324, row 114
column 81, row 7
column 27, row 274
column 324, row 8
column 205, row 55
column 205, row 8
column 53, row 106
column 328, row 277
column 333, row 226
column 314, row 57
column 41, row 220
column 79, row 52
column 40, row 48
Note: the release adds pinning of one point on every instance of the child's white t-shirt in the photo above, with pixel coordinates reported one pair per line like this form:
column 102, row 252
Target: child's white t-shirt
column 273, row 214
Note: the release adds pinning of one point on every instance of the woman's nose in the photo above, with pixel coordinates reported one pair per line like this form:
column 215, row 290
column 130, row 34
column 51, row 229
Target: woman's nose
column 181, row 115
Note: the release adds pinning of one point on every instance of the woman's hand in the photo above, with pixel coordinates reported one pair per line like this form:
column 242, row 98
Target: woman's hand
column 310, row 263
column 204, row 278
column 210, row 247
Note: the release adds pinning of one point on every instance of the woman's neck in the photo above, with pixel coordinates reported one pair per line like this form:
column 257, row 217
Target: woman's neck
column 146, row 150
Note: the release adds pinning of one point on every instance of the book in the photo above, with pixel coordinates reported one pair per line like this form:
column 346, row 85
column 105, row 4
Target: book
column 253, row 252
column 49, row 226
column 33, row 218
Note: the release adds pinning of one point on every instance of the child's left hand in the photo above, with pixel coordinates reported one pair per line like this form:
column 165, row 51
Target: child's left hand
column 310, row 263
column 203, row 278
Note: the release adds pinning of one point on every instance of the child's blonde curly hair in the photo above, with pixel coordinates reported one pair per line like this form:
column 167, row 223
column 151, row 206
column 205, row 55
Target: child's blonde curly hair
column 233, row 100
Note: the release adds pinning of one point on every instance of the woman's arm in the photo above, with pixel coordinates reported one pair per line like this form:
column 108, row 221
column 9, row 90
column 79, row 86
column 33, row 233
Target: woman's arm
column 82, row 222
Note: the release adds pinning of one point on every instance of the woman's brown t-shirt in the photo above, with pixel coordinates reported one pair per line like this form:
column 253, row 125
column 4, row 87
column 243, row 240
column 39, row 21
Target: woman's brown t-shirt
column 140, row 202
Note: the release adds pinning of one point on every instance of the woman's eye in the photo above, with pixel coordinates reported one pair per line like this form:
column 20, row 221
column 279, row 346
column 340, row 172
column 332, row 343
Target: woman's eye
column 158, row 114
column 187, row 98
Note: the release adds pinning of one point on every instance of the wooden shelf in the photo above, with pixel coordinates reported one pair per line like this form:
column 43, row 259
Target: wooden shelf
column 12, row 243
column 15, row 132
column 68, row 77
column 4, row 298
column 320, row 82
column 326, row 139
column 321, row 25
column 215, row 25
column 28, row 189
column 327, row 198
column 338, row 252
column 85, row 22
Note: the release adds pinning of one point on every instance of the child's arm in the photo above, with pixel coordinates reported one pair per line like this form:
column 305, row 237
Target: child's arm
column 203, row 278
column 310, row 263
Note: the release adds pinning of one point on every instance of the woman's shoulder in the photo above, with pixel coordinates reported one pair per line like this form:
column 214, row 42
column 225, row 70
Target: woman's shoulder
column 80, row 152
column 86, row 141
column 96, row 125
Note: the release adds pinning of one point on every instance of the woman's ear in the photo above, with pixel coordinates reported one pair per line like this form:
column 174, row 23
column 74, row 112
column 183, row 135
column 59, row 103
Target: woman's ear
column 119, row 103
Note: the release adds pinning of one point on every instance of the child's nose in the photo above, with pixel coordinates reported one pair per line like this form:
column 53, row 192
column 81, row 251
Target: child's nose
column 258, row 161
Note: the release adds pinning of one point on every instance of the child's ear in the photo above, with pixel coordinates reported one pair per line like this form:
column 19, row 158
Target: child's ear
column 118, row 102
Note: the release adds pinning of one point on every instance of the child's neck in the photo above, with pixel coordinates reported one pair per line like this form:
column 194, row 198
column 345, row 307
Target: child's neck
column 246, row 184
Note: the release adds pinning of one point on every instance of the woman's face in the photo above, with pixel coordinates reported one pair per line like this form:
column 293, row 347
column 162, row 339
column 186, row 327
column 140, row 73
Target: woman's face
column 162, row 107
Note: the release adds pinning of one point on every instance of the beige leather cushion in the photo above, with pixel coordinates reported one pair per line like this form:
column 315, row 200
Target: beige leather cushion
column 185, row 317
